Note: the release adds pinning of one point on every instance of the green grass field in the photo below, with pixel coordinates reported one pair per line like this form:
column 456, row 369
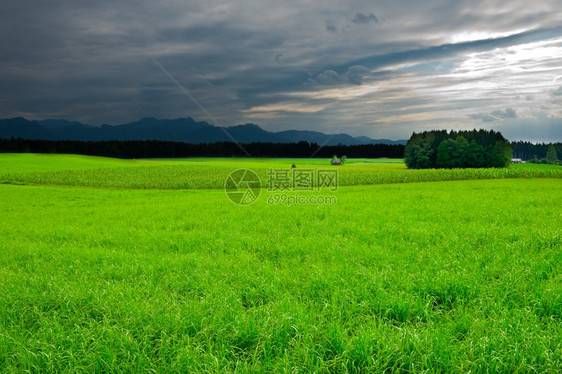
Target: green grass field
column 146, row 266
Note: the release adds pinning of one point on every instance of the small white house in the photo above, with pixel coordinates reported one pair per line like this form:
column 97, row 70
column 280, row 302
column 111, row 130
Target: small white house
column 517, row 161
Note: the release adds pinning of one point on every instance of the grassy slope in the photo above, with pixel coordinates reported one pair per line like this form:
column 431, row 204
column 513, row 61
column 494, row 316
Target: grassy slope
column 443, row 276
column 11, row 163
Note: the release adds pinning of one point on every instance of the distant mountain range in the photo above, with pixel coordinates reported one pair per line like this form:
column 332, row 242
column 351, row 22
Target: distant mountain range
column 179, row 130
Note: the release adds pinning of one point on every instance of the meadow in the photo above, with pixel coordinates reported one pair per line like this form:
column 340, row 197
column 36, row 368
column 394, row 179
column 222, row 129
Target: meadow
column 146, row 266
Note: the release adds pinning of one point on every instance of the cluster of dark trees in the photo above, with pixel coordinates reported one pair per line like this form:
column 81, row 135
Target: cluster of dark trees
column 534, row 152
column 457, row 149
column 164, row 149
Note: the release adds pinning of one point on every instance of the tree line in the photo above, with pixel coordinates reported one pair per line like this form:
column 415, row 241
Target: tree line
column 165, row 149
column 422, row 149
column 457, row 149
column 529, row 152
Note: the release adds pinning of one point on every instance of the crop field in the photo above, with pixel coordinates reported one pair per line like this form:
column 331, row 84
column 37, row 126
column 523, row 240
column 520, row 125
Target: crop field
column 146, row 266
column 206, row 173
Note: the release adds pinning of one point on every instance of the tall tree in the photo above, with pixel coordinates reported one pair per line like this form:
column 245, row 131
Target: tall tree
column 551, row 156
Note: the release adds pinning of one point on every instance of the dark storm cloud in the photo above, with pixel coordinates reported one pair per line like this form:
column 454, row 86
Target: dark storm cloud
column 90, row 61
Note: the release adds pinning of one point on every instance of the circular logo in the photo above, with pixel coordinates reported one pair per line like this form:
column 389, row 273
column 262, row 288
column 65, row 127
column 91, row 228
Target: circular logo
column 242, row 186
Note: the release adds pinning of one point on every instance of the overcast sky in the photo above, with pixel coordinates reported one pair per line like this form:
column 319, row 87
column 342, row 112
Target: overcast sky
column 377, row 68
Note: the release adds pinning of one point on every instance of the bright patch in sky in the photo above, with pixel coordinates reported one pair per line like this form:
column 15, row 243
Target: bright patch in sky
column 470, row 36
column 519, row 76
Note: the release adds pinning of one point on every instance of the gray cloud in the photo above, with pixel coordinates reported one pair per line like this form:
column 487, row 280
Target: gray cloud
column 354, row 75
column 331, row 27
column 329, row 77
column 483, row 117
column 495, row 115
column 508, row 113
column 362, row 18
column 558, row 92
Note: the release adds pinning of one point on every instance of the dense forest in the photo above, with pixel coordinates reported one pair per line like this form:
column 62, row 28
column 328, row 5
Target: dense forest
column 457, row 149
column 163, row 149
